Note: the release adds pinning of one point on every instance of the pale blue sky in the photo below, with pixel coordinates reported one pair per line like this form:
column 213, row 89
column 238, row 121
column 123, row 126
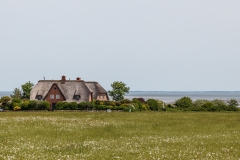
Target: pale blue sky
column 150, row 45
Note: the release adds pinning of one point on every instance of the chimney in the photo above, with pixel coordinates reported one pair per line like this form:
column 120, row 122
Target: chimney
column 63, row 79
column 78, row 79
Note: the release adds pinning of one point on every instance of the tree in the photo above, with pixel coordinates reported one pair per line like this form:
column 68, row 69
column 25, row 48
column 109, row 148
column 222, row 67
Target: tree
column 184, row 102
column 17, row 93
column 232, row 103
column 119, row 89
column 153, row 104
column 26, row 88
column 4, row 100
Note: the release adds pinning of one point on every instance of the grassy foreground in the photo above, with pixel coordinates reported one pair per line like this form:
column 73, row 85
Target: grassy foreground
column 119, row 135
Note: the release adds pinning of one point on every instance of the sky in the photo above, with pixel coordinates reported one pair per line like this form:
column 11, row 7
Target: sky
column 150, row 45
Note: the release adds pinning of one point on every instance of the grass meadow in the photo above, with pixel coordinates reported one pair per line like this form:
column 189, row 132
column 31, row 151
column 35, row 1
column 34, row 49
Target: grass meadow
column 119, row 135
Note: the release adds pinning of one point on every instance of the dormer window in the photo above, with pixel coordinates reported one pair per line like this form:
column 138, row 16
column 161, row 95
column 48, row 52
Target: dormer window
column 77, row 97
column 39, row 97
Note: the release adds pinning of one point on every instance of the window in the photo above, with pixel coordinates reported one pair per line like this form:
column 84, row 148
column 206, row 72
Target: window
column 57, row 96
column 77, row 97
column 39, row 97
column 51, row 96
column 102, row 97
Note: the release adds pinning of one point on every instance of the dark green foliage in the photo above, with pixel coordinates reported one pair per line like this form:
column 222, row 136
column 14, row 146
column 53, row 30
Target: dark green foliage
column 33, row 104
column 153, row 104
column 82, row 106
column 232, row 103
column 65, row 106
column 97, row 102
column 86, row 105
column 44, row 105
column 119, row 89
column 135, row 100
column 115, row 107
column 184, row 102
column 120, row 107
column 17, row 93
column 59, row 106
column 72, row 106
column 8, row 106
column 89, row 105
column 129, row 107
column 38, row 105
column 16, row 100
column 102, row 107
column 25, row 105
column 4, row 100
column 211, row 106
column 107, row 102
column 26, row 88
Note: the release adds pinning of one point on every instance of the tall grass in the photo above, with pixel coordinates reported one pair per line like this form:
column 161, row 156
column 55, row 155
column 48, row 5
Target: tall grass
column 140, row 135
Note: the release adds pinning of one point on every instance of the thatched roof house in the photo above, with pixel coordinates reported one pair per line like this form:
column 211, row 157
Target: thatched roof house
column 68, row 90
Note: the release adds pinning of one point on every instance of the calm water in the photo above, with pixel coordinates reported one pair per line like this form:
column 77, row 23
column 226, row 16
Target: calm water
column 171, row 96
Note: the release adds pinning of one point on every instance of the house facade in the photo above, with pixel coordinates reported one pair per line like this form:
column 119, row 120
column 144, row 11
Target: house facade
column 68, row 90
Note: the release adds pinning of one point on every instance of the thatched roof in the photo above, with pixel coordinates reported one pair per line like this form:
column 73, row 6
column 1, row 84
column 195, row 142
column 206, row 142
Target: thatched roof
column 69, row 89
column 96, row 88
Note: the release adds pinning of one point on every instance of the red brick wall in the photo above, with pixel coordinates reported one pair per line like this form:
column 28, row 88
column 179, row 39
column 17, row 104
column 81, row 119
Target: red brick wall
column 54, row 91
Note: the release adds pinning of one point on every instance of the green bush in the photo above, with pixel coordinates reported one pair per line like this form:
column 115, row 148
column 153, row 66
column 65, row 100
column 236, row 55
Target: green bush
column 115, row 107
column 102, row 107
column 138, row 102
column 14, row 104
column 45, row 105
column 59, row 106
column 118, row 103
column 184, row 102
column 4, row 100
column 33, row 104
column 153, row 104
column 16, row 100
column 90, row 105
column 145, row 107
column 232, row 103
column 134, row 107
column 81, row 106
column 8, row 106
column 97, row 102
column 73, row 106
column 112, row 103
column 199, row 102
column 232, row 108
column 107, row 103
column 129, row 107
column 126, row 109
column 125, row 101
column 120, row 107
column 25, row 105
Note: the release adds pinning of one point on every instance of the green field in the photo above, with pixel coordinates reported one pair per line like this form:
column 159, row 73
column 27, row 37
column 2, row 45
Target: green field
column 119, row 135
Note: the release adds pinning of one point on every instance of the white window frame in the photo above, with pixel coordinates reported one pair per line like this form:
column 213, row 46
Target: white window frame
column 57, row 96
column 51, row 96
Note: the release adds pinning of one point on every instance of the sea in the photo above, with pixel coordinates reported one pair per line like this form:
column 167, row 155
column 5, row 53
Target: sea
column 172, row 96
